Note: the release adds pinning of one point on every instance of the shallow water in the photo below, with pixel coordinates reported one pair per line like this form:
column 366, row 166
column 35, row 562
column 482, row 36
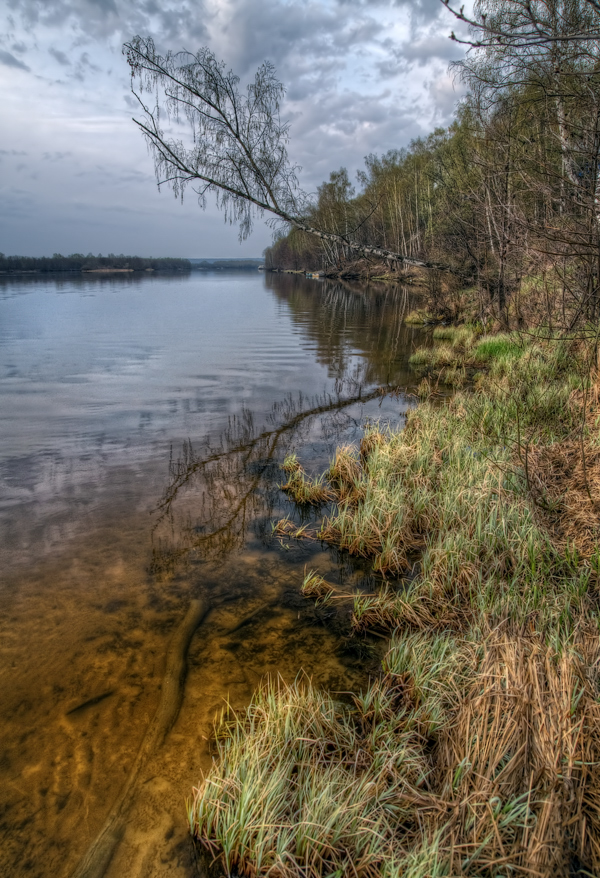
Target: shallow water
column 143, row 423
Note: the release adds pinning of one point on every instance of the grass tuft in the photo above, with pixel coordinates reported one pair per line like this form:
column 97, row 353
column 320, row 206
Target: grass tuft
column 291, row 463
column 314, row 586
column 306, row 491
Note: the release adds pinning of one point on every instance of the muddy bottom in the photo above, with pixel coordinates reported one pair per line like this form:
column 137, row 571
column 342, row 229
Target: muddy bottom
column 83, row 644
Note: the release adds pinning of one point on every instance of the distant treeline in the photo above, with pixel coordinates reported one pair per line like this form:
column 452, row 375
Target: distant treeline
column 250, row 264
column 79, row 262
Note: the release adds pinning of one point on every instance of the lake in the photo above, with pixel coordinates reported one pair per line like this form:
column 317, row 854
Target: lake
column 144, row 422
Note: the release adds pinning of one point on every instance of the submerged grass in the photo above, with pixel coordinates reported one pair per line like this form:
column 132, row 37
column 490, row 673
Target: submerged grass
column 477, row 750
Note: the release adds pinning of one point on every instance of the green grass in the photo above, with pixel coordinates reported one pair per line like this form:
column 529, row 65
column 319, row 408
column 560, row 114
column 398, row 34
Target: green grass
column 500, row 346
column 304, row 490
column 304, row 785
column 291, row 463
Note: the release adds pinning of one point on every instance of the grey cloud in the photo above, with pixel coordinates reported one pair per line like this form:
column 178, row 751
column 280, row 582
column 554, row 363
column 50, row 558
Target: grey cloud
column 9, row 60
column 445, row 94
column 423, row 9
column 60, row 57
column 56, row 156
column 429, row 47
column 168, row 20
column 16, row 203
column 422, row 50
column 105, row 5
column 83, row 67
column 342, row 127
column 85, row 62
column 19, row 47
column 420, row 10
column 296, row 32
column 13, row 152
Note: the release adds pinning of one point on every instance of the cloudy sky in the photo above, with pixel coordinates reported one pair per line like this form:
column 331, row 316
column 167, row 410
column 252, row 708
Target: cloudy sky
column 75, row 176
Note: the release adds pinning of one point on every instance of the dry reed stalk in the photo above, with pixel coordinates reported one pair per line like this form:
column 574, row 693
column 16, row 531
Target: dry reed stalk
column 287, row 528
column 519, row 765
column 559, row 482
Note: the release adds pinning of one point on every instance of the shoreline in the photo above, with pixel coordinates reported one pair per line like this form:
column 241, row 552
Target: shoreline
column 479, row 743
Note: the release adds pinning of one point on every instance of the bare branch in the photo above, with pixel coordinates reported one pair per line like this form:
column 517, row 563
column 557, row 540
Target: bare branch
column 238, row 147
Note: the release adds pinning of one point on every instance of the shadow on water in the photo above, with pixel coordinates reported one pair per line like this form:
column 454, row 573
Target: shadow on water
column 86, row 629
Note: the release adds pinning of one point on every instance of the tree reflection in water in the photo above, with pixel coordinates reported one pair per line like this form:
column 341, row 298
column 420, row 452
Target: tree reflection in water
column 222, row 491
column 215, row 494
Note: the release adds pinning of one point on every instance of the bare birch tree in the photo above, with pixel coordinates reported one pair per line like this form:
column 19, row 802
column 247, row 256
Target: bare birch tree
column 237, row 141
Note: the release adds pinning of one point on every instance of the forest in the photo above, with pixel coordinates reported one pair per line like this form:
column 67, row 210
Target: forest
column 79, row 262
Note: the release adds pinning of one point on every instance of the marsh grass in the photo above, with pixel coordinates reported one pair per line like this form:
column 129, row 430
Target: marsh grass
column 291, row 464
column 315, row 586
column 299, row 788
column 306, row 491
column 476, row 751
column 472, row 757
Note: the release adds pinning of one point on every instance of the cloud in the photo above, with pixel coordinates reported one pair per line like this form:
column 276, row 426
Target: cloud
column 9, row 60
column 445, row 94
column 419, row 10
column 55, row 156
column 427, row 48
column 60, row 57
column 362, row 76
column 94, row 19
column 303, row 37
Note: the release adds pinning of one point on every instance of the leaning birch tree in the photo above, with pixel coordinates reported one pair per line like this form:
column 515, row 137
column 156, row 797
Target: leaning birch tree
column 236, row 145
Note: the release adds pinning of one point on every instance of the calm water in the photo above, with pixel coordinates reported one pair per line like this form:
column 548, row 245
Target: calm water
column 143, row 423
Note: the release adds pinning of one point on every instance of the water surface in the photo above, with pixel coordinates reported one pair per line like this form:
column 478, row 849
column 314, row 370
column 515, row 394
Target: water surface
column 143, row 423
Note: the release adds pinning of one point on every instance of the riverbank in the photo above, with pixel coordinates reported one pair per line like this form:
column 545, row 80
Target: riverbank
column 362, row 269
column 477, row 749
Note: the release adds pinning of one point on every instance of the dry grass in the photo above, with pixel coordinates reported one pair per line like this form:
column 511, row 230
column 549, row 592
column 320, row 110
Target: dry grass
column 417, row 317
column 477, row 750
column 479, row 757
column 519, row 765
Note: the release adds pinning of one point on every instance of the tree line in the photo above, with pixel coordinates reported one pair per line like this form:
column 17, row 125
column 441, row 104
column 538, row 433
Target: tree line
column 79, row 262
